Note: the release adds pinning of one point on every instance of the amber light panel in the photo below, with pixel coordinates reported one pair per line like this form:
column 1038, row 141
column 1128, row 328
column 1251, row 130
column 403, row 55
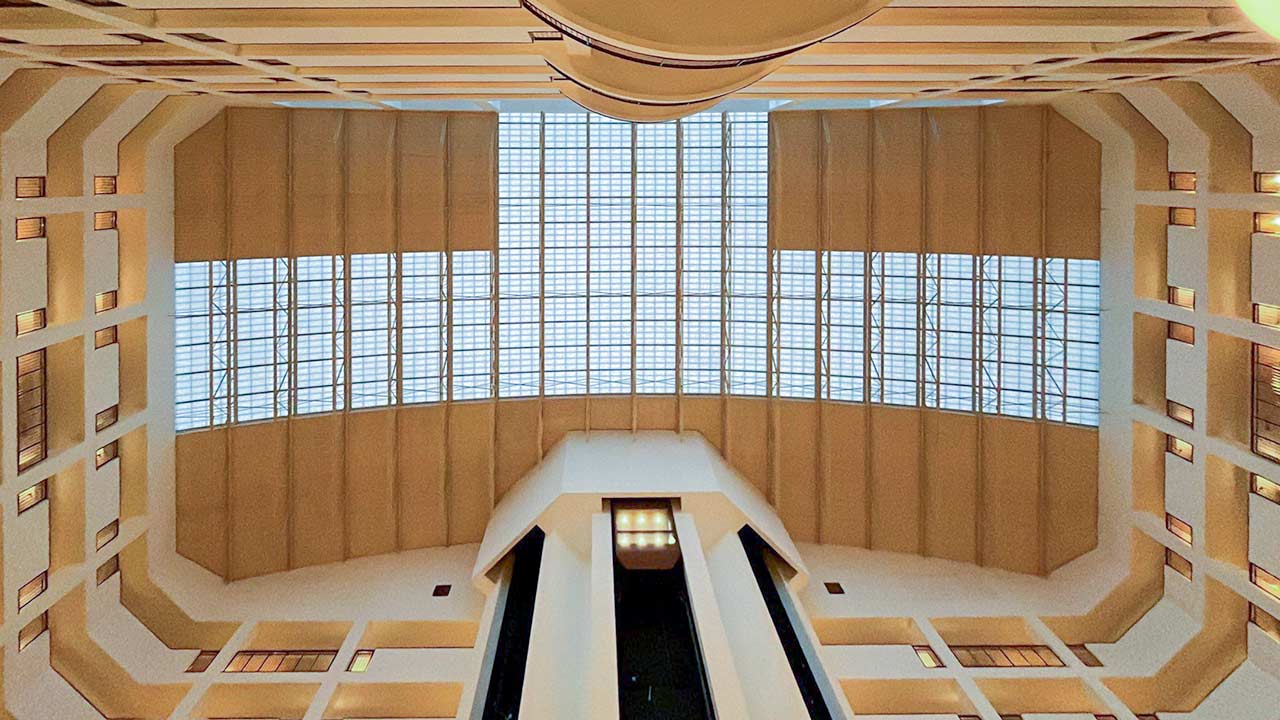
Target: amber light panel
column 1180, row 447
column 31, row 321
column 32, row 630
column 1267, row 182
column 33, row 496
column 104, row 301
column 30, row 187
column 1266, row 402
column 1182, row 181
column 108, row 568
column 202, row 662
column 105, row 220
column 267, row 661
column 33, row 589
column 928, row 657
column 1268, row 223
column 107, row 453
column 1179, row 528
column 30, row 228
column 1265, row 621
column 1270, row 584
column 1182, row 217
column 1085, row 655
column 107, row 534
column 106, row 418
column 104, row 337
column 33, row 445
column 360, row 661
column 104, row 185
column 1006, row 656
column 1268, row 315
column 1264, row 488
column 1180, row 412
column 1177, row 563
column 1182, row 297
column 1181, row 332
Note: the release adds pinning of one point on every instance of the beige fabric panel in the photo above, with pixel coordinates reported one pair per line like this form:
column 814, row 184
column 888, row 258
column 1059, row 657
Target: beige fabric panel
column 257, row 171
column 846, row 142
column 843, row 500
column 561, row 416
column 315, row 182
column 794, row 183
column 423, row 510
column 703, row 414
column 472, row 181
column 371, row 181
column 898, row 181
column 797, row 491
column 613, row 412
column 1071, row 494
column 655, row 413
column 258, row 500
column 953, row 172
column 370, row 491
column 1013, row 180
column 200, row 461
column 470, row 470
column 318, row 508
column 895, row 479
column 200, row 193
column 1073, row 192
column 420, row 155
column 518, row 450
column 1010, row 508
column 748, row 449
column 951, row 486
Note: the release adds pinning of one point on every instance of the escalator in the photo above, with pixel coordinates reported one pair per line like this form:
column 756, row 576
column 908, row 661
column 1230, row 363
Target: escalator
column 660, row 670
column 506, row 679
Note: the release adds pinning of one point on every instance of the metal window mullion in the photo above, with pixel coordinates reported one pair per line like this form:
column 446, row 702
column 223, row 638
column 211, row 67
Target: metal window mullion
column 1066, row 334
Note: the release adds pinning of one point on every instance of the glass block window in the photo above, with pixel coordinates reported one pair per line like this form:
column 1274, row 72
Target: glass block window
column 747, row 263
column 373, row 330
column 424, row 335
column 609, row 233
column 320, row 342
column 202, row 350
column 471, row 324
column 796, row 327
column 844, row 305
column 702, row 200
column 894, row 334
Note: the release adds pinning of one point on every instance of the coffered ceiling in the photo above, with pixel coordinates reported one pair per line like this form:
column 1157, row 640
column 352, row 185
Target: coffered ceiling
column 378, row 53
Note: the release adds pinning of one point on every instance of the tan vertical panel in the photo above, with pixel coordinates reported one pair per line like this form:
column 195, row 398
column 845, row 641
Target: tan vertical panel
column 655, row 412
column 844, row 494
column 258, row 165
column 1071, row 480
column 611, row 412
column 898, row 205
column 895, row 479
column 422, row 188
column 798, row 468
column 371, row 181
column 65, row 158
column 951, row 475
column 200, row 495
column 1010, row 495
column 472, row 179
column 952, row 166
column 259, row 501
column 1150, row 147
column 701, row 414
column 1073, row 204
column 421, row 476
column 316, row 182
column 561, row 416
column 1011, row 181
column 200, row 193
column 518, row 451
column 1230, row 144
column 318, row 509
column 370, row 468
column 470, row 490
column 794, row 138
column 748, row 449
column 846, row 144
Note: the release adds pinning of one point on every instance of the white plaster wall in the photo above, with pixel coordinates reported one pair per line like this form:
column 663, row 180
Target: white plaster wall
column 1184, row 363
column 44, row 694
column 26, row 541
column 101, row 501
column 1151, row 642
column 102, row 379
column 100, row 156
column 1264, row 533
column 557, row 659
column 1184, row 489
column 1189, row 260
column 27, row 277
column 126, row 640
column 1266, row 269
column 101, row 260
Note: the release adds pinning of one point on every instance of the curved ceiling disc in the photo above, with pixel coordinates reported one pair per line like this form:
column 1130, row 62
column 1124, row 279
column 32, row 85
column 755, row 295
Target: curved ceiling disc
column 651, row 84
column 707, row 29
column 632, row 112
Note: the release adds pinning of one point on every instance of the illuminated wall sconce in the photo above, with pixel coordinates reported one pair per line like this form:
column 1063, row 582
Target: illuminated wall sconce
column 1264, row 488
column 30, row 228
column 106, row 418
column 1182, row 297
column 105, row 220
column 1180, row 412
column 928, row 657
column 1181, row 332
column 1267, row 182
column 1268, row 315
column 1178, row 564
column 360, row 661
column 104, row 185
column 644, row 534
column 104, row 337
column 1268, row 583
column 1182, row 181
column 1180, row 448
column 105, row 301
column 31, row 321
column 1265, row 622
column 30, row 187
column 33, row 496
column 108, row 568
column 32, row 630
column 1179, row 528
column 1267, row 223
column 1182, row 217
column 106, row 453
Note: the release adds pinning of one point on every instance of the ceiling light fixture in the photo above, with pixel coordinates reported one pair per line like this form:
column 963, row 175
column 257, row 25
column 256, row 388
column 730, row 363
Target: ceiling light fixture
column 1265, row 13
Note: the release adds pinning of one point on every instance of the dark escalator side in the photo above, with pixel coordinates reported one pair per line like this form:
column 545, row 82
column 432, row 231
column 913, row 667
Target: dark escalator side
column 506, row 681
column 757, row 553
column 660, row 669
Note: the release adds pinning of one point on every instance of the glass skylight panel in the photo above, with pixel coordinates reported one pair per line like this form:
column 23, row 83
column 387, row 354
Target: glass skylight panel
column 373, row 330
column 261, row 351
column 702, row 212
column 895, row 326
column 519, row 261
column 201, row 352
column 610, row 232
column 748, row 255
column 948, row 336
column 656, row 217
column 471, row 312
column 795, row 364
column 845, row 276
column 321, row 334
column 1084, row 337
column 424, row 335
